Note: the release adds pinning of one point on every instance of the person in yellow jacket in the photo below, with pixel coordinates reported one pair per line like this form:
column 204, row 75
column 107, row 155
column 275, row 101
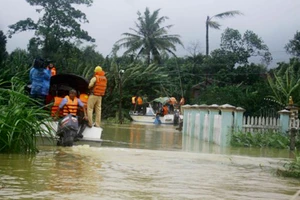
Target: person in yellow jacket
column 97, row 86
column 134, row 102
column 70, row 104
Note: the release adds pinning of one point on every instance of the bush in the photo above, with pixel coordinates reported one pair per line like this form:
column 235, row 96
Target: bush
column 268, row 139
column 20, row 119
column 291, row 169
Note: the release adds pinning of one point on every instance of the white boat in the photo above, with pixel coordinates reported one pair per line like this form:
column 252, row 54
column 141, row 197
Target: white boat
column 150, row 117
column 89, row 134
column 59, row 87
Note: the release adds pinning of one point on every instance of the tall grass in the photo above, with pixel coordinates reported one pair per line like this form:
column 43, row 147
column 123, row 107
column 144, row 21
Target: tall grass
column 20, row 119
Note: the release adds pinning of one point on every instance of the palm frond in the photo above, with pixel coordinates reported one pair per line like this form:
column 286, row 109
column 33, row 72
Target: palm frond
column 214, row 24
column 227, row 14
column 149, row 37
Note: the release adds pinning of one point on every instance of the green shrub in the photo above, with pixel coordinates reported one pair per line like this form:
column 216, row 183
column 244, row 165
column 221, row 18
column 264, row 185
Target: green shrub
column 291, row 169
column 267, row 139
column 20, row 119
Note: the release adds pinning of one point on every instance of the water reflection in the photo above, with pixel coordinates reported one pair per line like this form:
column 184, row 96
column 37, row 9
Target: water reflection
column 142, row 136
column 69, row 166
column 191, row 144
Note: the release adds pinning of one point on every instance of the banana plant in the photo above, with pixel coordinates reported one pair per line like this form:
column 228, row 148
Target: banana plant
column 285, row 82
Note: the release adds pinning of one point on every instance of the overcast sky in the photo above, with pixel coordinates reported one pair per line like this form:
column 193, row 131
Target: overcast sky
column 275, row 21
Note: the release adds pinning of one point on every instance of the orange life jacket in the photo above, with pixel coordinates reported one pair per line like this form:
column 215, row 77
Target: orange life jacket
column 100, row 85
column 53, row 71
column 165, row 110
column 139, row 101
column 71, row 106
column 84, row 98
column 54, row 108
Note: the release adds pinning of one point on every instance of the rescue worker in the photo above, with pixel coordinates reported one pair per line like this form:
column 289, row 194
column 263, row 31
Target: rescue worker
column 70, row 104
column 139, row 103
column 52, row 69
column 133, row 102
column 172, row 102
column 97, row 86
column 165, row 110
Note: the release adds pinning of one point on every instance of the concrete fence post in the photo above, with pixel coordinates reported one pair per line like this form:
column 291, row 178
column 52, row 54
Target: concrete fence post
column 213, row 110
column 238, row 119
column 186, row 116
column 193, row 120
column 284, row 121
column 203, row 110
column 227, row 123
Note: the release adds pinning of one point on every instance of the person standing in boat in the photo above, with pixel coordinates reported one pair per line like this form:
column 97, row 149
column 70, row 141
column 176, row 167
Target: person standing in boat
column 145, row 104
column 134, row 102
column 40, row 81
column 172, row 102
column 97, row 86
column 139, row 103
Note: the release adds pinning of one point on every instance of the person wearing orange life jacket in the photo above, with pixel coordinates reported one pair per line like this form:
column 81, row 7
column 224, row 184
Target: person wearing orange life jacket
column 139, row 102
column 165, row 110
column 52, row 69
column 70, row 104
column 98, row 86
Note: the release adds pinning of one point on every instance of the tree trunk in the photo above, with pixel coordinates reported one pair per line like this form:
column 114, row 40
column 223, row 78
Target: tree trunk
column 120, row 103
column 207, row 45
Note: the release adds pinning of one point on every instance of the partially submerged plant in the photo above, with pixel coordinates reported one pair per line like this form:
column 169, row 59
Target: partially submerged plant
column 291, row 169
column 267, row 139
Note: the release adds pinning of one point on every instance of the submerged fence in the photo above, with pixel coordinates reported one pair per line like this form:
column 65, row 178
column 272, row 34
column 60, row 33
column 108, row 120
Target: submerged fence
column 214, row 123
column 260, row 124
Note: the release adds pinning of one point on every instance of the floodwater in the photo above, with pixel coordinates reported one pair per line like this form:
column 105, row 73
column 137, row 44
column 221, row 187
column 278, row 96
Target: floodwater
column 139, row 161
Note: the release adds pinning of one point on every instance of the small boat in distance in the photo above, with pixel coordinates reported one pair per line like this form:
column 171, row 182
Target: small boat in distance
column 149, row 115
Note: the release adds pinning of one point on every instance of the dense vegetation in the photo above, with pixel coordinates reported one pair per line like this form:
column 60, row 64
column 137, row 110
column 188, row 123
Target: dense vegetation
column 20, row 118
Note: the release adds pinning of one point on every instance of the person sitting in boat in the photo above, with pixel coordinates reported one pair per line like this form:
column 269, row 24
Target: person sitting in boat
column 70, row 104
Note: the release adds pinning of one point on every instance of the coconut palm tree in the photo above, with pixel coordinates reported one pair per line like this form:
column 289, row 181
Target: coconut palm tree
column 150, row 38
column 213, row 24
